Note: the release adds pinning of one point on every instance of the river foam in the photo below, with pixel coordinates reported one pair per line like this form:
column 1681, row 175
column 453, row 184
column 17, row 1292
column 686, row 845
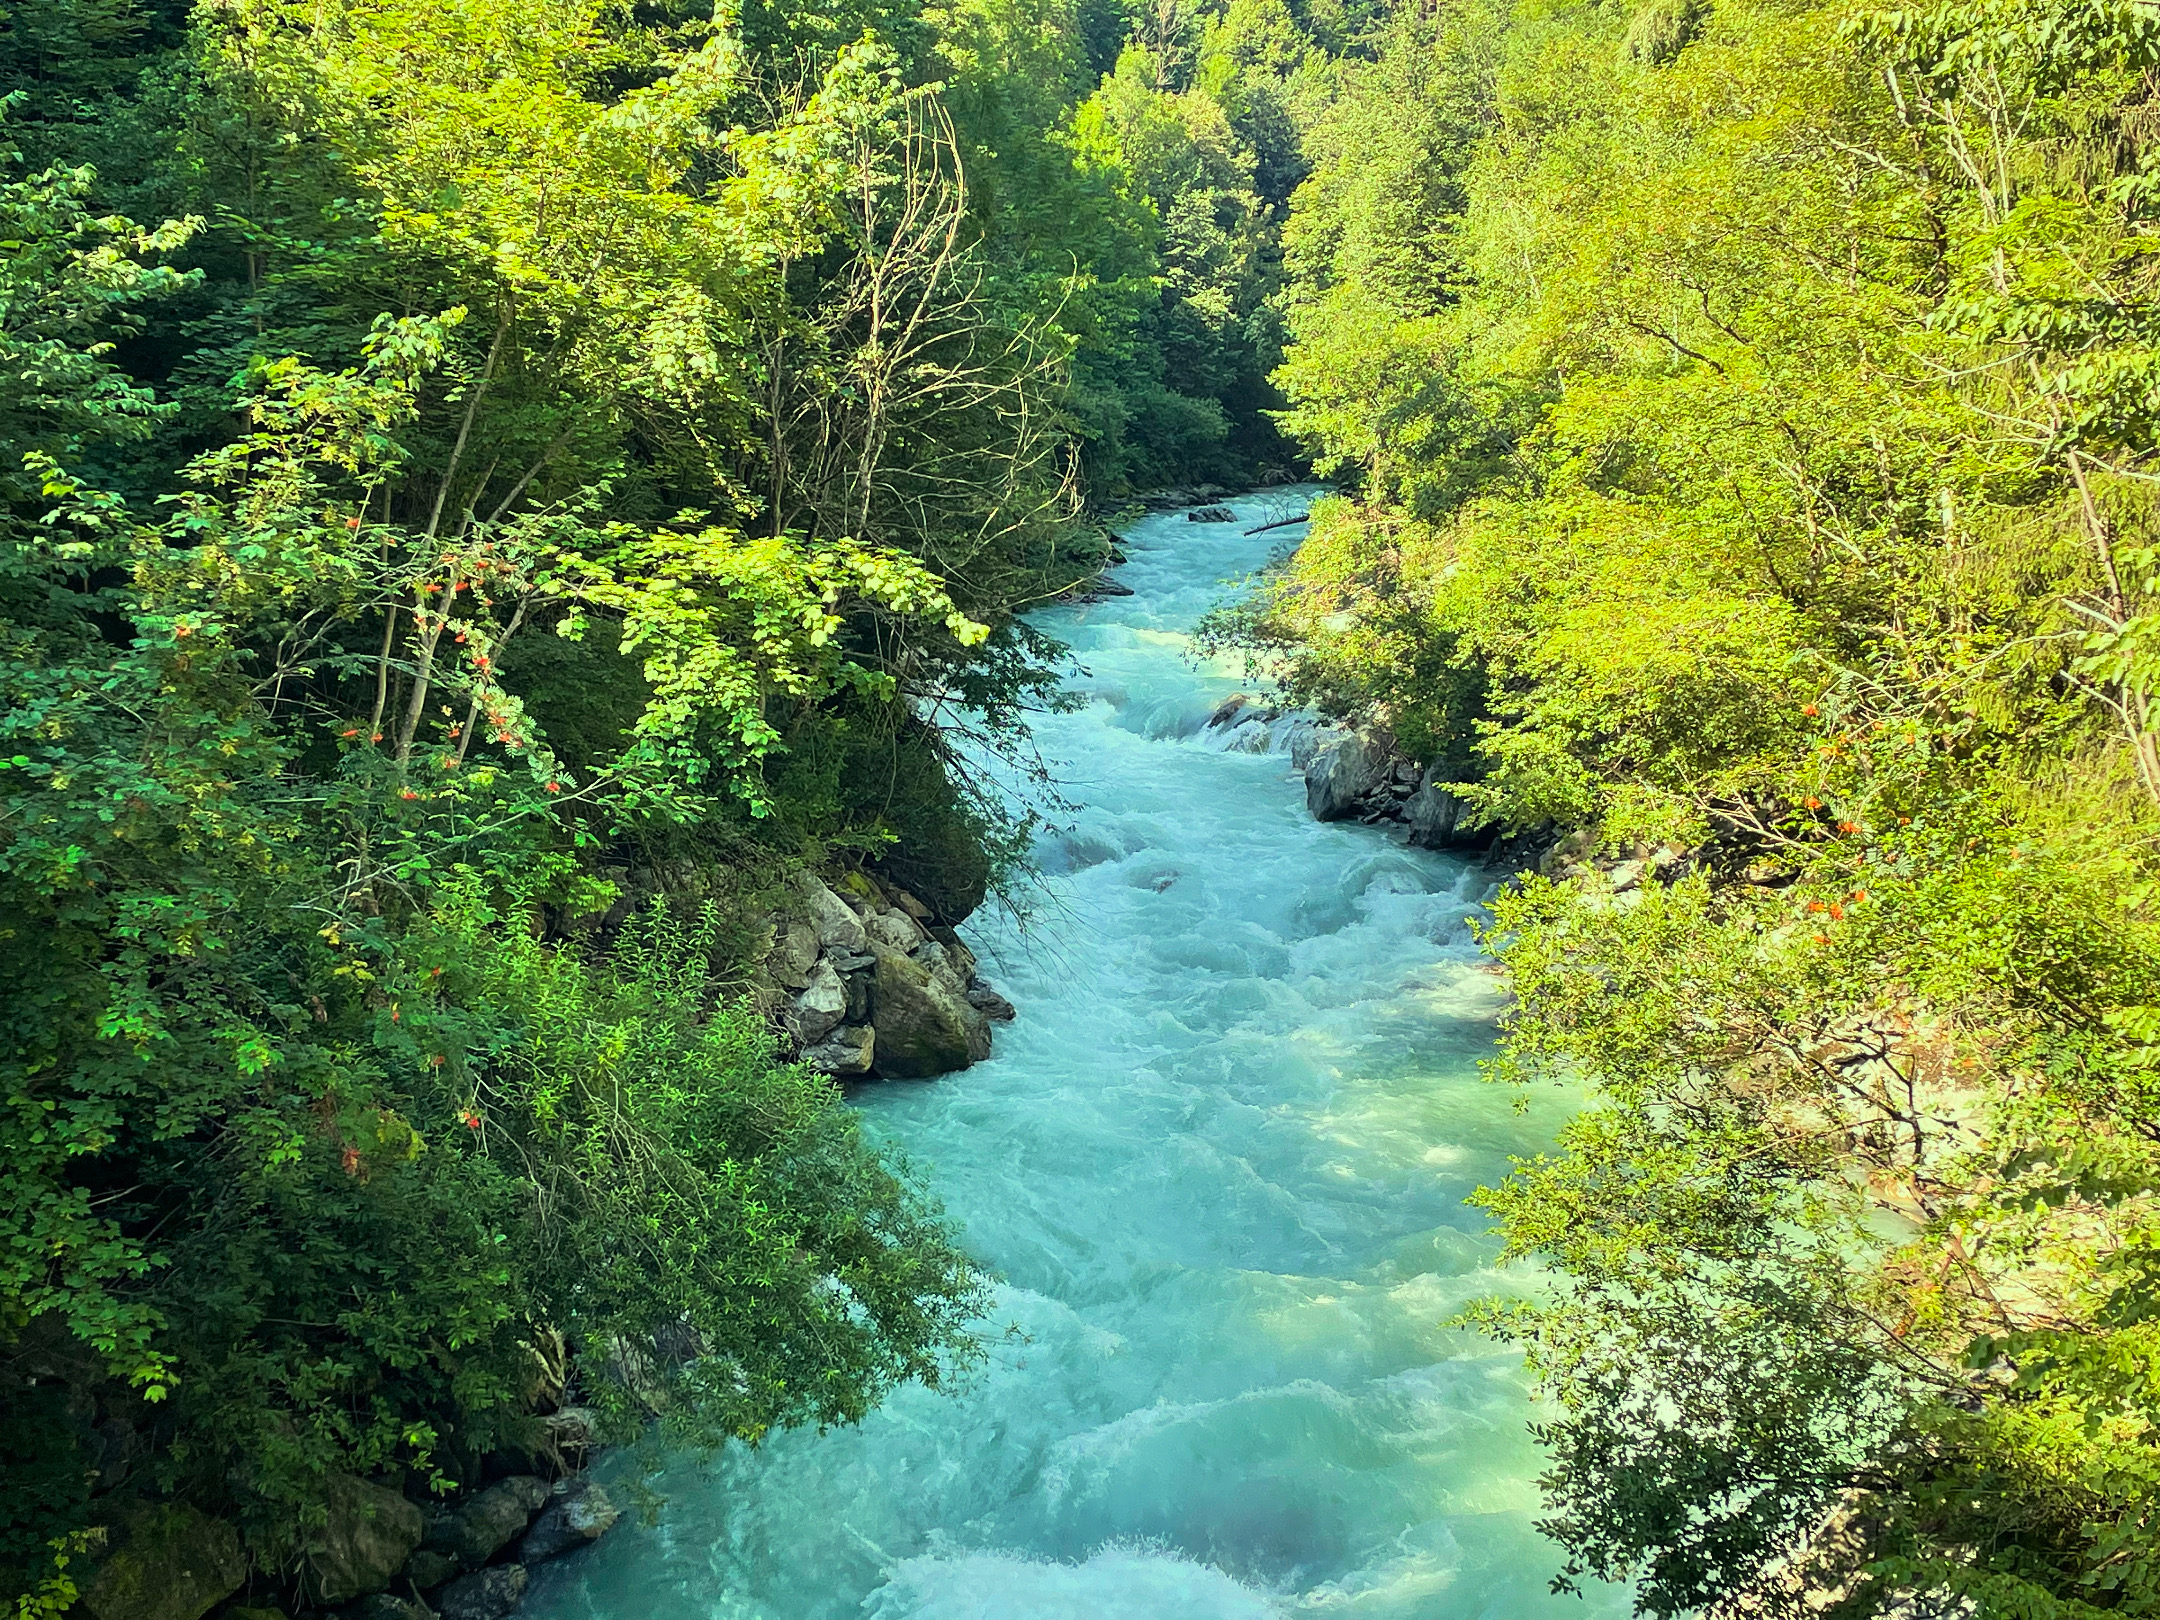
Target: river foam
column 1218, row 1163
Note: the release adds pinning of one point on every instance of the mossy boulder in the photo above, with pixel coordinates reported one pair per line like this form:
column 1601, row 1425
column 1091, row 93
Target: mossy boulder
column 478, row 1528
column 369, row 1534
column 168, row 1561
column 923, row 1021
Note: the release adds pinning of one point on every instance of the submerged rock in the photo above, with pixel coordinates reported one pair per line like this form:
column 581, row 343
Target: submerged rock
column 577, row 1518
column 172, row 1562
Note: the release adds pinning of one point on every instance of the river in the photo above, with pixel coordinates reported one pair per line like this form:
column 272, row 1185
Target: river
column 1219, row 1164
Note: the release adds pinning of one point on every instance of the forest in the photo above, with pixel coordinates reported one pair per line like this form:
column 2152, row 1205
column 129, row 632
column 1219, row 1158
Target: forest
column 467, row 469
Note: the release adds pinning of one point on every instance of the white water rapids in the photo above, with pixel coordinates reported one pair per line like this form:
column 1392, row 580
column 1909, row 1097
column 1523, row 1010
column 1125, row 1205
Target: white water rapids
column 1219, row 1163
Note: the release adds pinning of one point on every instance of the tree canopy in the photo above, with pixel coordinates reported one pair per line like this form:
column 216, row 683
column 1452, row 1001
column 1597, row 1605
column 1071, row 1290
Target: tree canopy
column 1743, row 418
column 453, row 455
column 455, row 458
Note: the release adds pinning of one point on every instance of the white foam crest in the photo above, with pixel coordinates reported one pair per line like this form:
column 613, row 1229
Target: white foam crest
column 1114, row 1583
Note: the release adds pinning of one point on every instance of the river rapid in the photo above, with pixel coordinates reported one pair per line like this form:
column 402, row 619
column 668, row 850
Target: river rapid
column 1219, row 1164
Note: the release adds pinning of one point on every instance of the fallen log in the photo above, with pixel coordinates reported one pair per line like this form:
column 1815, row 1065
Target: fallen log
column 1279, row 523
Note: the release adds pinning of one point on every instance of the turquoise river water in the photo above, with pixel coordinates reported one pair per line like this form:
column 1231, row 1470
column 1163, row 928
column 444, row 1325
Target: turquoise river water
column 1219, row 1165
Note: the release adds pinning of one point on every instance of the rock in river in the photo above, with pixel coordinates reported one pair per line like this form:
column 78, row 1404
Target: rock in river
column 1342, row 772
column 578, row 1517
column 923, row 1021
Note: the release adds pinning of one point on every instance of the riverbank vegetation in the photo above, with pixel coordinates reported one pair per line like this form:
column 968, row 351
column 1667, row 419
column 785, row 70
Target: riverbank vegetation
column 1745, row 416
column 487, row 493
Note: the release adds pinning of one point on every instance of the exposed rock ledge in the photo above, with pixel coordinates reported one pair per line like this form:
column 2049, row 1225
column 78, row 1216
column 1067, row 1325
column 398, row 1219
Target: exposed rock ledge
column 1355, row 773
column 867, row 983
column 378, row 1555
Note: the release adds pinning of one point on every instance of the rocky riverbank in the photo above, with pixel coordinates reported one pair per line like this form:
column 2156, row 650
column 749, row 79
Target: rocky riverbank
column 868, row 984
column 378, row 1555
column 864, row 981
column 1358, row 773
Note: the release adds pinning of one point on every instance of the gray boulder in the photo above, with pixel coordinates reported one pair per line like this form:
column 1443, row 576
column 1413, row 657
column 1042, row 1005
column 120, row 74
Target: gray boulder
column 989, row 1003
column 486, row 1594
column 848, row 1050
column 171, row 1563
column 578, row 1517
column 942, row 963
column 814, row 1014
column 895, row 929
column 923, row 1021
column 956, row 952
column 475, row 1530
column 795, row 952
column 1231, row 709
column 838, row 928
column 1434, row 812
column 1342, row 773
column 369, row 1534
column 1307, row 736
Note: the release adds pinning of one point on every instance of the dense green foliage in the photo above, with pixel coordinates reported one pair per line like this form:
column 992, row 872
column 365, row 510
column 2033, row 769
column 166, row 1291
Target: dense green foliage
column 456, row 455
column 1746, row 419
column 466, row 469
